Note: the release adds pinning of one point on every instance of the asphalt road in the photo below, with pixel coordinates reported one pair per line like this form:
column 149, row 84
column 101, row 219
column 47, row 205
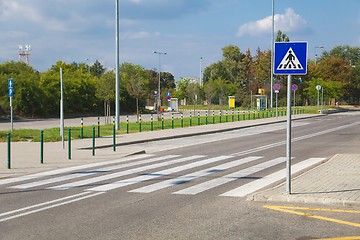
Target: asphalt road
column 178, row 190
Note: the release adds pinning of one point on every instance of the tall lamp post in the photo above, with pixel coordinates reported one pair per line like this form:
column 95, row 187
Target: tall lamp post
column 272, row 56
column 158, row 100
column 117, row 60
column 200, row 76
column 316, row 53
column 88, row 63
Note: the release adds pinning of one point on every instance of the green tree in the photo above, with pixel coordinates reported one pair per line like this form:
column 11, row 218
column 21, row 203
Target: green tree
column 97, row 69
column 167, row 83
column 331, row 89
column 221, row 90
column 209, row 91
column 27, row 100
column 182, row 88
column 281, row 37
column 79, row 89
column 105, row 91
column 135, row 79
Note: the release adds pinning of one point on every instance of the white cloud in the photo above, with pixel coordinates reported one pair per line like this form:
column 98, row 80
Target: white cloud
column 139, row 35
column 288, row 22
column 12, row 9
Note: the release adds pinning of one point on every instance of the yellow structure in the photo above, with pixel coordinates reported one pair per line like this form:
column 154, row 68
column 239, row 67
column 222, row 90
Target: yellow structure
column 261, row 91
column 231, row 101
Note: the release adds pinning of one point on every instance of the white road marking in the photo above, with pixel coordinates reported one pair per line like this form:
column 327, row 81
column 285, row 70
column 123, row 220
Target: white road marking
column 269, row 179
column 192, row 176
column 123, row 173
column 69, row 169
column 91, row 172
column 49, row 207
column 272, row 145
column 165, row 172
column 230, row 177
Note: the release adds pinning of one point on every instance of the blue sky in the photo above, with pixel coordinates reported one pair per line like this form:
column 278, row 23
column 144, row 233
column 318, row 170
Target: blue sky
column 187, row 30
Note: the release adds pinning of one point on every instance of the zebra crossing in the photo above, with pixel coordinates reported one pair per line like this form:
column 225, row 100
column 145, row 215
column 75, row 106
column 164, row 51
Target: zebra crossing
column 191, row 175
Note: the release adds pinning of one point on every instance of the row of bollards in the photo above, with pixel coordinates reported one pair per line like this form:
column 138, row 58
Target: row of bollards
column 69, row 144
column 224, row 116
column 249, row 115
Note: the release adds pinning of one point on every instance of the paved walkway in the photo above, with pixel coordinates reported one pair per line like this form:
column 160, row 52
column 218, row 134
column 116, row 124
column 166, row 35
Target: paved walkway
column 337, row 181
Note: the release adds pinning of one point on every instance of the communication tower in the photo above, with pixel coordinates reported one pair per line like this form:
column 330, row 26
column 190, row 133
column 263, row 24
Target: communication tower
column 24, row 53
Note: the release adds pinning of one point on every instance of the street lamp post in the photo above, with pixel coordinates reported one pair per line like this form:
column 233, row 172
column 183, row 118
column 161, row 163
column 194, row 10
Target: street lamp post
column 316, row 53
column 117, row 60
column 158, row 100
column 88, row 60
column 272, row 55
column 200, row 77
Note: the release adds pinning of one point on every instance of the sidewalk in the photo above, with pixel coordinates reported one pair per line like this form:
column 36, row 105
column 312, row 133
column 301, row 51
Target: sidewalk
column 337, row 181
column 334, row 182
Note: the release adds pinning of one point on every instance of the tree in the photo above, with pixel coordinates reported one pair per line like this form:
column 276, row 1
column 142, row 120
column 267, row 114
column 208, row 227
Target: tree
column 346, row 69
column 135, row 79
column 105, row 91
column 167, row 83
column 281, row 37
column 221, row 90
column 97, row 69
column 27, row 100
column 209, row 91
column 79, row 89
column 246, row 76
column 232, row 53
column 182, row 88
column 332, row 89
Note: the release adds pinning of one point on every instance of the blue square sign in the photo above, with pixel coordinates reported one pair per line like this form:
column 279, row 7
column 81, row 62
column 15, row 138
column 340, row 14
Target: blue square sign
column 11, row 87
column 290, row 58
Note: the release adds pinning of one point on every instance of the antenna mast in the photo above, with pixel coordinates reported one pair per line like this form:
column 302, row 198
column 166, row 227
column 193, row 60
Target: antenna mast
column 24, row 53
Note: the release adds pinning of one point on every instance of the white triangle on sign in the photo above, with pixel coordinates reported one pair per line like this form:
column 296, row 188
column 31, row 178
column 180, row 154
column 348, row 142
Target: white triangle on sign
column 290, row 61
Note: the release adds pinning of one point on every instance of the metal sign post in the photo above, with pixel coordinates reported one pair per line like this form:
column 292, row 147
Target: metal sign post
column 290, row 58
column 62, row 110
column 294, row 87
column 288, row 137
column 276, row 90
column 318, row 88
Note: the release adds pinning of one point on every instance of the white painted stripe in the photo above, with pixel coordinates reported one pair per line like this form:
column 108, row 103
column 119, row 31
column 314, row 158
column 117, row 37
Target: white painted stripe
column 123, row 173
column 69, row 169
column 272, row 145
column 51, row 206
column 91, row 172
column 230, row 177
column 192, row 176
column 272, row 178
column 42, row 204
column 131, row 164
column 165, row 172
column 50, row 181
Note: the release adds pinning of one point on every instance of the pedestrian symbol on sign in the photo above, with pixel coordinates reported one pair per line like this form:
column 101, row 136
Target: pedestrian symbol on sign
column 290, row 61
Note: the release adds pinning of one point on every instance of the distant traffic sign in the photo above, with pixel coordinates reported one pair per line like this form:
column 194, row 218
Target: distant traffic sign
column 294, row 87
column 276, row 87
column 10, row 82
column 11, row 92
column 290, row 58
column 11, row 87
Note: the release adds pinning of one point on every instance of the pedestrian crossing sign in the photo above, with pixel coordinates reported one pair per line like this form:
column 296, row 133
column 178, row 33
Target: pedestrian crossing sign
column 290, row 58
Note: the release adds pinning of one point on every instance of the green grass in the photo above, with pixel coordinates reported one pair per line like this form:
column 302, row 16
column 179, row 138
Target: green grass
column 53, row 134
